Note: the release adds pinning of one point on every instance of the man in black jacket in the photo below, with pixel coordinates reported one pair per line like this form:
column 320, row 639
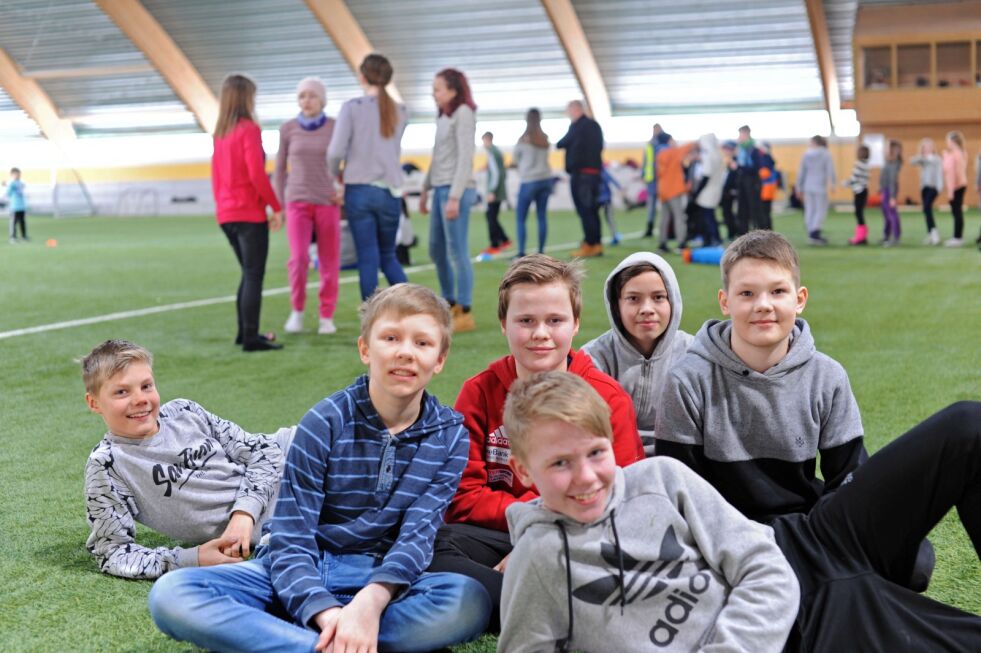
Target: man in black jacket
column 583, row 145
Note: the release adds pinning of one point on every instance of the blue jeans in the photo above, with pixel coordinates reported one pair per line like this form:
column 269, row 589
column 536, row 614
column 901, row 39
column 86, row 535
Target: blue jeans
column 537, row 191
column 373, row 217
column 449, row 246
column 233, row 607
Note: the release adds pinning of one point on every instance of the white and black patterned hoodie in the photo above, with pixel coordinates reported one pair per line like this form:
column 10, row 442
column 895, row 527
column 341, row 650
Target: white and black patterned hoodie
column 185, row 481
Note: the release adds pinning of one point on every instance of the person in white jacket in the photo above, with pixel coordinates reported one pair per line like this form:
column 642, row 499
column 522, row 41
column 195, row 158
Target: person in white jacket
column 816, row 174
column 710, row 194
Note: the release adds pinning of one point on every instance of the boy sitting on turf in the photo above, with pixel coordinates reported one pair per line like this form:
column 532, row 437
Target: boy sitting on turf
column 753, row 403
column 539, row 303
column 367, row 481
column 652, row 558
column 643, row 302
column 176, row 468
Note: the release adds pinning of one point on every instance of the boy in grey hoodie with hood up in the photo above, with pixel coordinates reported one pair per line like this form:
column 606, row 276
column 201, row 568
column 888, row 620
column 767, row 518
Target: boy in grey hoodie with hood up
column 643, row 302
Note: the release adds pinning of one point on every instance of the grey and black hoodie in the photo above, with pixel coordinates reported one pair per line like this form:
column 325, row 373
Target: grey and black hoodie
column 755, row 436
column 643, row 378
column 669, row 566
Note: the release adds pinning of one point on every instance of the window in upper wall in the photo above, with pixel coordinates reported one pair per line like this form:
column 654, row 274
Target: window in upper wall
column 913, row 66
column 953, row 64
column 878, row 67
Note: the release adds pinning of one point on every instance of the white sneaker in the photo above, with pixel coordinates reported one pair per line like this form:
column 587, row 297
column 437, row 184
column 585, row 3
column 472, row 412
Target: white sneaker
column 327, row 326
column 295, row 323
column 953, row 242
column 933, row 238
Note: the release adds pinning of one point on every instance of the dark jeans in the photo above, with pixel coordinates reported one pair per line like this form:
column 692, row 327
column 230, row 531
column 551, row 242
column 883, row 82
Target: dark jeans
column 928, row 194
column 859, row 200
column 710, row 228
column 474, row 551
column 373, row 217
column 585, row 195
column 728, row 215
column 750, row 211
column 18, row 219
column 957, row 209
column 250, row 242
column 853, row 552
column 494, row 229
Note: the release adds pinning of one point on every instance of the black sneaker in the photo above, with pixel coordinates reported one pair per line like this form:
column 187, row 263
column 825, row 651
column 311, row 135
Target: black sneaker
column 260, row 344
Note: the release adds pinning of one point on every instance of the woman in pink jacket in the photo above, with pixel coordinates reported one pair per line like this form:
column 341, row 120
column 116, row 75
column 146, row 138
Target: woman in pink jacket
column 955, row 180
column 242, row 193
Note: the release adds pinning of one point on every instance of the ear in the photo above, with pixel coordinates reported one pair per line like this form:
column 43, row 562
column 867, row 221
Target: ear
column 363, row 350
column 801, row 299
column 93, row 403
column 440, row 362
column 522, row 472
column 575, row 329
column 504, row 330
column 723, row 301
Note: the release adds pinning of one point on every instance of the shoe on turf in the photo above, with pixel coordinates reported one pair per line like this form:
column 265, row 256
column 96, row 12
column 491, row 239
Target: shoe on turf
column 503, row 246
column 953, row 242
column 933, row 238
column 327, row 326
column 587, row 251
column 294, row 324
column 260, row 344
column 463, row 322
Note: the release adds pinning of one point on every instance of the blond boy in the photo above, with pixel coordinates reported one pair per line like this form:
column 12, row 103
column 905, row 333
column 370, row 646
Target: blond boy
column 367, row 480
column 176, row 468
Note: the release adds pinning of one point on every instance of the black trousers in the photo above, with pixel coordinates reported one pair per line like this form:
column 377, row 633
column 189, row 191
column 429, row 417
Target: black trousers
column 585, row 196
column 474, row 551
column 750, row 211
column 957, row 209
column 854, row 549
column 250, row 242
column 494, row 228
column 728, row 215
column 859, row 201
column 928, row 194
column 18, row 219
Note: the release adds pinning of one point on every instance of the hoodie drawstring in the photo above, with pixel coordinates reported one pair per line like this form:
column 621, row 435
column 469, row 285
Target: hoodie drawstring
column 564, row 646
column 616, row 542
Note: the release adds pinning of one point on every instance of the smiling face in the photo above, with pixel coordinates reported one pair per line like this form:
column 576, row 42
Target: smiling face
column 442, row 93
column 402, row 355
column 645, row 311
column 572, row 469
column 128, row 402
column 539, row 327
column 763, row 302
column 310, row 103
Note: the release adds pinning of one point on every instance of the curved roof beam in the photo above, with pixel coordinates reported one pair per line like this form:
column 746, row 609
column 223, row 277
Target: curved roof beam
column 30, row 97
column 825, row 59
column 156, row 45
column 346, row 33
column 580, row 55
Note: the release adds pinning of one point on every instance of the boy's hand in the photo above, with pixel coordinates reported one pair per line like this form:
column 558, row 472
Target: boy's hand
column 210, row 553
column 354, row 628
column 423, row 197
column 240, row 528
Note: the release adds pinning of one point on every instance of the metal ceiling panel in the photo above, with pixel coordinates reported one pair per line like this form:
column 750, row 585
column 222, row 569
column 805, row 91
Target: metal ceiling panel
column 14, row 123
column 276, row 42
column 840, row 15
column 507, row 48
column 705, row 55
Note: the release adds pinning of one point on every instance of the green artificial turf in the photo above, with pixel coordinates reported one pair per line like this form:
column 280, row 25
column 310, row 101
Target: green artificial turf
column 902, row 321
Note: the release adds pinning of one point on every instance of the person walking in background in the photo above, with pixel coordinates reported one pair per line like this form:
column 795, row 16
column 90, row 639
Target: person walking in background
column 931, row 183
column 955, row 179
column 730, row 189
column 889, row 191
column 977, row 186
column 769, row 184
column 816, row 173
column 583, row 145
column 748, row 163
column 672, row 190
column 17, row 206
column 497, row 192
column 858, row 181
column 242, row 192
column 450, row 177
column 607, row 183
column 649, row 174
column 713, row 179
column 531, row 159
column 303, row 183
column 368, row 141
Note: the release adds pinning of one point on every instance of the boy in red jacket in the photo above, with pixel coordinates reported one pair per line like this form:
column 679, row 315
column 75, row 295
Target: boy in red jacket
column 539, row 302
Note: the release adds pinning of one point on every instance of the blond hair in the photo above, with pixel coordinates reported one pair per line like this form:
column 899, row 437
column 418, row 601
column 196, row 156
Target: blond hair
column 541, row 269
column 404, row 300
column 553, row 396
column 109, row 359
column 764, row 245
column 957, row 138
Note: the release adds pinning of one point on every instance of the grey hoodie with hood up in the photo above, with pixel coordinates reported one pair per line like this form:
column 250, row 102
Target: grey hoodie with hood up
column 643, row 378
column 669, row 566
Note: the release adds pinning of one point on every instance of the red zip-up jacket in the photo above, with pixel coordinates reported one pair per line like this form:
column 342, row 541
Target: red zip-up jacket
column 489, row 485
column 238, row 176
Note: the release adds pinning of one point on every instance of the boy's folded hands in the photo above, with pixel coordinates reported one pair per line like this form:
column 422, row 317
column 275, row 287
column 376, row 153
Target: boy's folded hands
column 239, row 527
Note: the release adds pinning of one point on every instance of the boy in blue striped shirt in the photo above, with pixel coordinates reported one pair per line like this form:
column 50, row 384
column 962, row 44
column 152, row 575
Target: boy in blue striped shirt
column 369, row 475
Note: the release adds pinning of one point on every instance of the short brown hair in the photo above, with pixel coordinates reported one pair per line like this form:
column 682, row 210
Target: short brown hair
column 541, row 269
column 406, row 299
column 556, row 396
column 765, row 245
column 109, row 359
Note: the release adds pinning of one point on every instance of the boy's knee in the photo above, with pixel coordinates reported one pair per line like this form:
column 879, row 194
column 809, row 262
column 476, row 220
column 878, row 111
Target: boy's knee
column 164, row 601
column 470, row 602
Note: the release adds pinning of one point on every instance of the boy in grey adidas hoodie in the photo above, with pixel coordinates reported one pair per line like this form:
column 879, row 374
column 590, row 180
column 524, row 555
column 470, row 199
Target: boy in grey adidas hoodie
column 176, row 468
column 643, row 302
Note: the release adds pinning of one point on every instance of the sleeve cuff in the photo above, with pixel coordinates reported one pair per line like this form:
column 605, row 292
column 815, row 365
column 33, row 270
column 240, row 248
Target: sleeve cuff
column 187, row 557
column 314, row 606
column 250, row 505
column 383, row 575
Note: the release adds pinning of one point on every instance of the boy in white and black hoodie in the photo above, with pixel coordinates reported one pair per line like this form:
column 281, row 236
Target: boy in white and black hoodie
column 651, row 558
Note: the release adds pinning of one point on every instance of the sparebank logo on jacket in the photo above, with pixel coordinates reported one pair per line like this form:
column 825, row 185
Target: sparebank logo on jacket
column 497, row 447
column 633, row 580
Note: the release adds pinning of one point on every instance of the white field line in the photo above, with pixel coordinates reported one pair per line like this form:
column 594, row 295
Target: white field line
column 166, row 308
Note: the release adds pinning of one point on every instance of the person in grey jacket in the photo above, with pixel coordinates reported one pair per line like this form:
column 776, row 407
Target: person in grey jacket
column 643, row 303
column 931, row 183
column 816, row 173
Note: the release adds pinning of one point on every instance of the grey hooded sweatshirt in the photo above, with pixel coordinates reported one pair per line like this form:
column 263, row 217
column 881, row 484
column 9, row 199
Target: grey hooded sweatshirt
column 755, row 436
column 643, row 378
column 669, row 566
